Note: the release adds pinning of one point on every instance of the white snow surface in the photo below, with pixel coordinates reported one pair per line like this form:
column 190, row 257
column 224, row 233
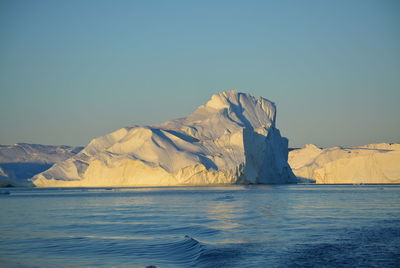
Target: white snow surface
column 231, row 139
column 372, row 163
column 21, row 161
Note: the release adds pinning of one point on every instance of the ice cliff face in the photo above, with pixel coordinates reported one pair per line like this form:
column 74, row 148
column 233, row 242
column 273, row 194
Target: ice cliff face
column 372, row 163
column 21, row 161
column 231, row 139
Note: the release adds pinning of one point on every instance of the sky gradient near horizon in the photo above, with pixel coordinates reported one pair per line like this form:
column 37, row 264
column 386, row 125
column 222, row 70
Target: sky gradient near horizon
column 74, row 70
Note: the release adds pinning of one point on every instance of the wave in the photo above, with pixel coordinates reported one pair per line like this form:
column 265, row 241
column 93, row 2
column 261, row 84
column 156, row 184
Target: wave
column 172, row 252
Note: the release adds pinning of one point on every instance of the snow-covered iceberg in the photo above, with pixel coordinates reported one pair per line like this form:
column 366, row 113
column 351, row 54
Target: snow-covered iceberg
column 372, row 163
column 21, row 161
column 231, row 139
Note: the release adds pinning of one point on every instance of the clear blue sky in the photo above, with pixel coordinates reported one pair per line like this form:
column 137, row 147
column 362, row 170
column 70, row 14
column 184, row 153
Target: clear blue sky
column 74, row 70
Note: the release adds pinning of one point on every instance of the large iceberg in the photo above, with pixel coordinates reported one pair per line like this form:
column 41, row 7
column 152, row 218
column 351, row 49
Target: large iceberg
column 21, row 161
column 372, row 163
column 232, row 139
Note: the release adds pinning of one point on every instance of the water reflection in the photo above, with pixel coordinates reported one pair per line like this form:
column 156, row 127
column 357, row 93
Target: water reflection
column 224, row 214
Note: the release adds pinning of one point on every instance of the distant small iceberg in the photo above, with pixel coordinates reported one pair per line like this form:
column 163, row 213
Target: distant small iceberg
column 369, row 164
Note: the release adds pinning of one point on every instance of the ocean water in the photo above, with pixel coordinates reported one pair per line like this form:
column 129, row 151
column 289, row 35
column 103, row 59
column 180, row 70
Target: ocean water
column 222, row 226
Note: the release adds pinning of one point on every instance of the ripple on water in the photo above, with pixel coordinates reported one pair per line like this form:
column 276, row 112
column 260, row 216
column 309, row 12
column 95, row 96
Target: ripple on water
column 226, row 198
column 365, row 247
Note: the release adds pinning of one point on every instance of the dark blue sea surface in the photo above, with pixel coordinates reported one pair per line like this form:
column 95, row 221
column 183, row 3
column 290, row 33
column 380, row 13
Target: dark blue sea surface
column 222, row 226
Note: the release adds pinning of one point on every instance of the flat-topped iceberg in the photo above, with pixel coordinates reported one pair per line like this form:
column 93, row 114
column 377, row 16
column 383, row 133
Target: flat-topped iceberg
column 372, row 163
column 21, row 161
column 231, row 139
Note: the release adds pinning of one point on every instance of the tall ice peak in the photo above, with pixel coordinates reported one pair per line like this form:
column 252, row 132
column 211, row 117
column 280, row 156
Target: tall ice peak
column 228, row 98
column 240, row 108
